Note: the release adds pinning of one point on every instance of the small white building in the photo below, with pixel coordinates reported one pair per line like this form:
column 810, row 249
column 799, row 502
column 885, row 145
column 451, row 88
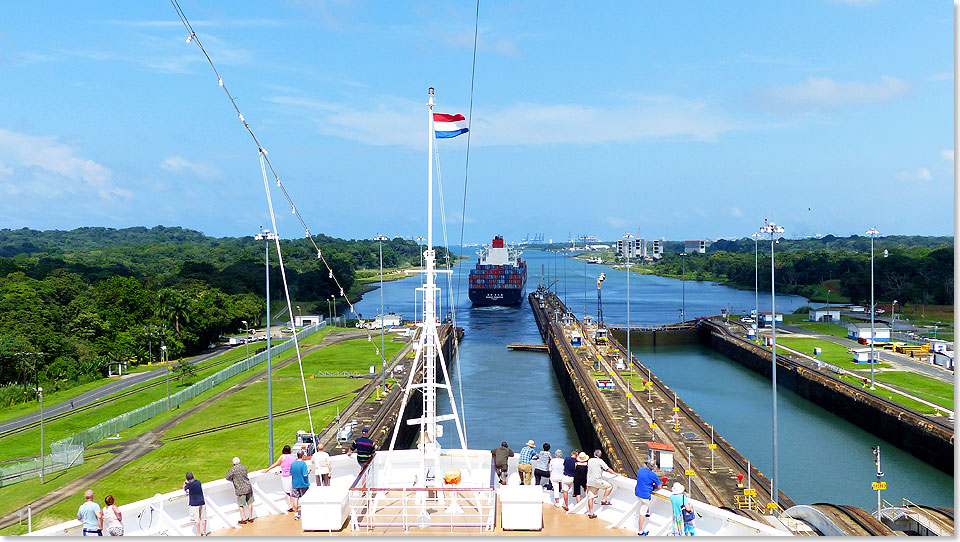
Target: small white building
column 943, row 359
column 306, row 320
column 938, row 345
column 766, row 318
column 862, row 355
column 825, row 314
column 859, row 330
column 387, row 321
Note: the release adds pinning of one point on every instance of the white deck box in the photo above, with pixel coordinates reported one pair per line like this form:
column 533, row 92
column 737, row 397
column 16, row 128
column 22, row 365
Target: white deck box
column 521, row 507
column 324, row 508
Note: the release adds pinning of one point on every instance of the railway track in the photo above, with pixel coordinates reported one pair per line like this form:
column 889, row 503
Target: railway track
column 857, row 521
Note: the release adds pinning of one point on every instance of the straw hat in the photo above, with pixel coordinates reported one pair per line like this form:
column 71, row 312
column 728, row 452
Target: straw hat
column 531, row 443
column 583, row 457
column 677, row 488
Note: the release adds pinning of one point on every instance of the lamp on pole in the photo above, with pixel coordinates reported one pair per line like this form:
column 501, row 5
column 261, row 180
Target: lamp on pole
column 333, row 300
column 166, row 363
column 627, row 236
column 40, row 395
column 383, row 360
column 246, row 336
column 300, row 314
column 266, row 237
column 683, row 284
column 773, row 230
column 756, row 277
column 893, row 314
column 872, row 232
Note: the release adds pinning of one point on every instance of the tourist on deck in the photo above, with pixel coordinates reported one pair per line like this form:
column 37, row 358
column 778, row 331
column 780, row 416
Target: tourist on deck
column 243, row 489
column 580, row 479
column 300, row 478
column 364, row 448
column 112, row 518
column 566, row 483
column 647, row 483
column 682, row 512
column 556, row 476
column 89, row 514
column 500, row 456
column 541, row 468
column 596, row 485
column 198, row 506
column 322, row 468
column 284, row 461
column 525, row 466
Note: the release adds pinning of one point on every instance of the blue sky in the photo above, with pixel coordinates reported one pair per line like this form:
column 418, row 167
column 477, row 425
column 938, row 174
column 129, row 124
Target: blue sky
column 671, row 119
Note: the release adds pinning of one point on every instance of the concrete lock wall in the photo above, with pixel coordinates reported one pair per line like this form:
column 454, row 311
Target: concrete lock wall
column 901, row 426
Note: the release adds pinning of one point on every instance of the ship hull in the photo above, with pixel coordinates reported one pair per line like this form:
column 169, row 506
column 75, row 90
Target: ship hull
column 496, row 296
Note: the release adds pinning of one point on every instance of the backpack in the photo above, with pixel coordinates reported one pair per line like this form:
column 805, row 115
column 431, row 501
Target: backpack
column 687, row 509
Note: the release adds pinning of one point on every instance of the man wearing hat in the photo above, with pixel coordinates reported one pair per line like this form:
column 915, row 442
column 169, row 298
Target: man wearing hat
column 364, row 448
column 525, row 466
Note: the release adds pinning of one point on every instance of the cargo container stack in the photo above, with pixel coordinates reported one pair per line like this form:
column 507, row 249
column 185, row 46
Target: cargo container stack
column 500, row 275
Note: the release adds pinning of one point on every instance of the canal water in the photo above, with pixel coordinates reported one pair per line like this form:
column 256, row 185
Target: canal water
column 514, row 396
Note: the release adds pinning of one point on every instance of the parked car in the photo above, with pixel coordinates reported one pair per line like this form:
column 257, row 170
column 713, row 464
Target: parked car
column 286, row 330
column 746, row 320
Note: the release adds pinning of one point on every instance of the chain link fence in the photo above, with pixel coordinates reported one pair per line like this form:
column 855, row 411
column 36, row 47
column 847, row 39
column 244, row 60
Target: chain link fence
column 68, row 452
column 62, row 458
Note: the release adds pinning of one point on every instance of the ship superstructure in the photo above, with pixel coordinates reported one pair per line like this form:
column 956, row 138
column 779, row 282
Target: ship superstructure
column 500, row 275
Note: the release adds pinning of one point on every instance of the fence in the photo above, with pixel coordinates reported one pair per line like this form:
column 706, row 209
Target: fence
column 62, row 458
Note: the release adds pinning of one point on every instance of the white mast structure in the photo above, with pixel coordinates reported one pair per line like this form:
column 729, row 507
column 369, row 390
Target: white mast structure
column 429, row 351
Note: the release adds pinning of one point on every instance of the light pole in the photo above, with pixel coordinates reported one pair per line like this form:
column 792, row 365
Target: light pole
column 383, row 360
column 773, row 230
column 683, row 286
column 40, row 395
column 756, row 278
column 334, row 301
column 330, row 311
column 300, row 314
column 872, row 232
column 246, row 336
column 166, row 363
column 629, row 354
column 266, row 237
column 893, row 314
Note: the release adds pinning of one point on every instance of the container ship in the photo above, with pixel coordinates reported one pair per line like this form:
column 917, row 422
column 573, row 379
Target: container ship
column 500, row 275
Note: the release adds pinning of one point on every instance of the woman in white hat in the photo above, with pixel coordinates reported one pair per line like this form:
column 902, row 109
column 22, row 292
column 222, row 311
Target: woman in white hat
column 683, row 514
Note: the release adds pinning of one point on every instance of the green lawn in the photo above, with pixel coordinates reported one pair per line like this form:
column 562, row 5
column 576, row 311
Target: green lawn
column 832, row 352
column 207, row 456
column 24, row 444
column 16, row 496
column 353, row 355
column 928, row 389
column 893, row 396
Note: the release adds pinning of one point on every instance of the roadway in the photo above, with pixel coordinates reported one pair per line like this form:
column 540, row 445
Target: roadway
column 105, row 390
column 897, row 361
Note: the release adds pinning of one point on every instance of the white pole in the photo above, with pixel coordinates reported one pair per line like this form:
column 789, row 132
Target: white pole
column 773, row 230
column 40, row 393
column 873, row 234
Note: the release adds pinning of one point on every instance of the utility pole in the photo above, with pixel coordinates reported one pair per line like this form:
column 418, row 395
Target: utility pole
column 267, row 237
column 683, row 286
column 383, row 360
column 872, row 232
column 40, row 395
column 773, row 230
column 165, row 359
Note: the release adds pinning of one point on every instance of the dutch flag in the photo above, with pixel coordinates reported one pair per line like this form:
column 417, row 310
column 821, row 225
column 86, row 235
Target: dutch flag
column 446, row 126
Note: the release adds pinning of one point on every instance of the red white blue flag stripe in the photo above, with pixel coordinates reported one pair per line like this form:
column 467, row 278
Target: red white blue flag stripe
column 446, row 126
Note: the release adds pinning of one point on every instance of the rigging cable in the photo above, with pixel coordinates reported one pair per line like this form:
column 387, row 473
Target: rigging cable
column 266, row 164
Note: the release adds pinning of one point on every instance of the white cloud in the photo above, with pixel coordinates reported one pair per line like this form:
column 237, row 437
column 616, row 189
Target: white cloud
column 735, row 211
column 922, row 174
column 947, row 154
column 395, row 121
column 616, row 222
column 942, row 76
column 177, row 164
column 823, row 93
column 50, row 169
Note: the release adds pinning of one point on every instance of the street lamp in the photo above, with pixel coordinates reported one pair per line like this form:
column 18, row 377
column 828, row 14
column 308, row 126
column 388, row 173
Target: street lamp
column 266, row 237
column 165, row 360
column 683, row 289
column 872, row 232
column 246, row 336
column 333, row 299
column 773, row 230
column 300, row 314
column 756, row 278
column 40, row 395
column 383, row 360
column 628, row 250
column 893, row 314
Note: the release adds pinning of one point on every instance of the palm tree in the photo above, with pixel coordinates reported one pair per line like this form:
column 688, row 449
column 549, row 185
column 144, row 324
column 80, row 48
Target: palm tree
column 171, row 305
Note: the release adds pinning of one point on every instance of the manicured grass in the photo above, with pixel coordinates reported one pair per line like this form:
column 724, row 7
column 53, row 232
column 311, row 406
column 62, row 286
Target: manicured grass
column 16, row 496
column 929, row 389
column 208, row 456
column 354, row 355
column 825, row 328
column 893, row 396
column 832, row 352
column 374, row 276
column 24, row 444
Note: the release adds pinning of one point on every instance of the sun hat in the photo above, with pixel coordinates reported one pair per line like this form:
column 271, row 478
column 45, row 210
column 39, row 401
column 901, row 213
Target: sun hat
column 677, row 488
column 531, row 443
column 583, row 457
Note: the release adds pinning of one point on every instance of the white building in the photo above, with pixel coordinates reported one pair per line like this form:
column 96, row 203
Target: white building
column 765, row 318
column 943, row 359
column 695, row 245
column 629, row 248
column 657, row 249
column 862, row 355
column 307, row 320
column 825, row 314
column 857, row 331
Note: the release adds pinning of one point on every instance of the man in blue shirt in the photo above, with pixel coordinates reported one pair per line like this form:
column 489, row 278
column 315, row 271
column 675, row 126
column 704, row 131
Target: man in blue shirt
column 525, row 466
column 364, row 448
column 566, row 483
column 89, row 514
column 300, row 481
column 198, row 506
column 647, row 483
